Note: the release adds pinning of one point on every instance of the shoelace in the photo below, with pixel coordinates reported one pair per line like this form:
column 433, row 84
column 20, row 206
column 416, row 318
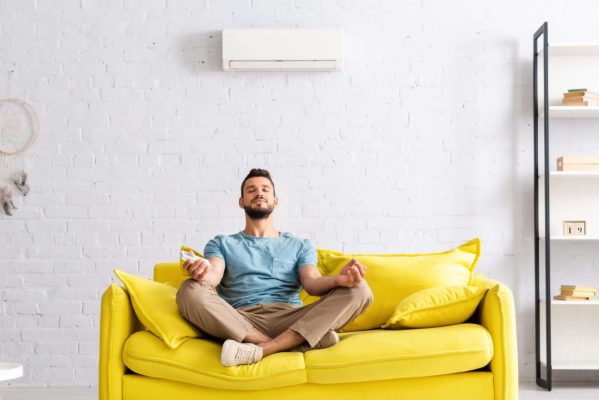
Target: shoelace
column 245, row 353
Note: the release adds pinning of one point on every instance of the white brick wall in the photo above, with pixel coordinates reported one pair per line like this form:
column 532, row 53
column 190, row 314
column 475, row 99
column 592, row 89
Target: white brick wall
column 423, row 141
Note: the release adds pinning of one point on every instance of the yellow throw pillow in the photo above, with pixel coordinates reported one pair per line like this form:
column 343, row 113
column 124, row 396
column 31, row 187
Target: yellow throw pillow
column 155, row 306
column 393, row 277
column 437, row 306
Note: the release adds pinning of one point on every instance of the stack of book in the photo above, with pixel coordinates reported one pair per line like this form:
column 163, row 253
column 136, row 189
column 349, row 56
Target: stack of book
column 573, row 292
column 578, row 163
column 580, row 97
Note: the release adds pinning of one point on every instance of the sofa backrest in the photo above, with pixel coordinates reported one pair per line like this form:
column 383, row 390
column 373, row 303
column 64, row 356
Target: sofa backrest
column 170, row 273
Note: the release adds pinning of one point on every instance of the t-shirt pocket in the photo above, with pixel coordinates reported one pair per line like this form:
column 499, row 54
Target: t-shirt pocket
column 284, row 270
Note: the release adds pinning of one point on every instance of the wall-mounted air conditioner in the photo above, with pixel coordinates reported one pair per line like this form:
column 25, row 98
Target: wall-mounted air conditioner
column 282, row 49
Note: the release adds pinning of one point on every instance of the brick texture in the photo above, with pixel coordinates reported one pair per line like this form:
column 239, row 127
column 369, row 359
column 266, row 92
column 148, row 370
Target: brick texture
column 422, row 141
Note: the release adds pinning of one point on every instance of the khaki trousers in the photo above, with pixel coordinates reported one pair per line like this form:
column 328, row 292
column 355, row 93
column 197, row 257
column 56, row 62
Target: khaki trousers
column 201, row 305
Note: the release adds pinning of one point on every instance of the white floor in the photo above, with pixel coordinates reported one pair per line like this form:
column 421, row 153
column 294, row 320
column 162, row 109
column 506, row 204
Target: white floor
column 561, row 391
column 528, row 391
column 49, row 394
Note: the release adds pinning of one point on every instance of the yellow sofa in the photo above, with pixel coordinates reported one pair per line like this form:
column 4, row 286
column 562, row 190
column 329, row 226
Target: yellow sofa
column 472, row 360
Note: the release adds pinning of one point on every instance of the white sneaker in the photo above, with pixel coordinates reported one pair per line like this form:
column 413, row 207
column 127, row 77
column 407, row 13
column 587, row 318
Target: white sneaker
column 235, row 353
column 329, row 339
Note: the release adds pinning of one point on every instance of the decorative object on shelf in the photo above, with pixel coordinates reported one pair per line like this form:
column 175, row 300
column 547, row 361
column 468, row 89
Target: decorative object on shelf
column 19, row 128
column 575, row 228
column 580, row 97
column 578, row 163
column 573, row 292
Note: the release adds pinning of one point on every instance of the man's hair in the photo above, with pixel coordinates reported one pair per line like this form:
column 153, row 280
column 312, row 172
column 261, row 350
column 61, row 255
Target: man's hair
column 258, row 172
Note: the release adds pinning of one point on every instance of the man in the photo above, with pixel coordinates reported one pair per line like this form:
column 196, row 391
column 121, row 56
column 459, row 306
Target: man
column 257, row 273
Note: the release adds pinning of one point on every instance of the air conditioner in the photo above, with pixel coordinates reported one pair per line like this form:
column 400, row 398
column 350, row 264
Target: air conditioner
column 282, row 49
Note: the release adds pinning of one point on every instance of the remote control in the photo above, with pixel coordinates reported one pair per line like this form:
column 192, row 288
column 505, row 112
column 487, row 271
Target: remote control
column 188, row 255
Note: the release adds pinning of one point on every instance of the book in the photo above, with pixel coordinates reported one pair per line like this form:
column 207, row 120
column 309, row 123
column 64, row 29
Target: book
column 575, row 293
column 578, row 289
column 562, row 297
column 579, row 99
column 586, row 97
column 575, row 287
column 582, row 103
column 577, row 160
column 574, row 95
column 578, row 163
column 578, row 167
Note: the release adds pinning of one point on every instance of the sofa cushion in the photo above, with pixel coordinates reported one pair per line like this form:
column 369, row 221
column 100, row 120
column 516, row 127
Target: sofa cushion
column 436, row 306
column 155, row 306
column 475, row 385
column 358, row 357
column 170, row 273
column 393, row 277
column 197, row 362
column 385, row 354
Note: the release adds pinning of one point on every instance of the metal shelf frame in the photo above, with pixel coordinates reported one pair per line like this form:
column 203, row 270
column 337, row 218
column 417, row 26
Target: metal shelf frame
column 542, row 32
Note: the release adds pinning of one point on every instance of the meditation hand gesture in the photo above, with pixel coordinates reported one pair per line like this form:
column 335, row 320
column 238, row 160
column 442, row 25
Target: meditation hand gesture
column 351, row 274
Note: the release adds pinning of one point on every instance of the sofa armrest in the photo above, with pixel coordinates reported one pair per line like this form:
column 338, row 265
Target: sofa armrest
column 117, row 323
column 496, row 313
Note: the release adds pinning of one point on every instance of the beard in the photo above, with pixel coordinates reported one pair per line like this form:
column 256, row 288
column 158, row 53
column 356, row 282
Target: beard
column 259, row 212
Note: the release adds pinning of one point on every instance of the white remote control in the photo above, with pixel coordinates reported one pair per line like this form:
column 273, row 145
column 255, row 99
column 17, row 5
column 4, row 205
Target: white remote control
column 188, row 255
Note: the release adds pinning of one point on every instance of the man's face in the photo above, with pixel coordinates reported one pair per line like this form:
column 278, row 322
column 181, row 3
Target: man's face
column 258, row 199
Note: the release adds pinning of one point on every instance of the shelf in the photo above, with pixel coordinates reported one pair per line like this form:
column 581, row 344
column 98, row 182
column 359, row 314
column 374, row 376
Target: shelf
column 573, row 302
column 572, row 174
column 565, row 50
column 572, row 238
column 572, row 112
column 580, row 365
column 571, row 66
column 571, row 338
column 574, row 327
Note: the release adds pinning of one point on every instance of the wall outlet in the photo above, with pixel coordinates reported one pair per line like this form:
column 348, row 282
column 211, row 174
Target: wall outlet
column 575, row 228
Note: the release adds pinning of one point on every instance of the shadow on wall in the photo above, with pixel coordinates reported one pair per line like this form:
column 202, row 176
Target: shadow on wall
column 492, row 86
column 523, row 212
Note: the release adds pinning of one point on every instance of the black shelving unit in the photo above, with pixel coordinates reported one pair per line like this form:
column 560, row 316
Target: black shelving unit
column 542, row 33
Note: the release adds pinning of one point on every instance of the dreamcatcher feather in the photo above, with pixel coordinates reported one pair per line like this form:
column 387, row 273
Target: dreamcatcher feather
column 19, row 127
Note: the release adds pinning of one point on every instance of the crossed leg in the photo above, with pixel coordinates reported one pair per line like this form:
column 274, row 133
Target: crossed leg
column 273, row 331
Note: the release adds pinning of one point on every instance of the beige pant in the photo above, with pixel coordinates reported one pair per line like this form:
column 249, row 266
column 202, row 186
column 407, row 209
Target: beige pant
column 200, row 304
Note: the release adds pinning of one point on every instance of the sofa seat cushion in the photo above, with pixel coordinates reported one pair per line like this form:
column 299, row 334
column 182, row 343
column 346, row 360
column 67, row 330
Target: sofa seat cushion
column 382, row 354
column 197, row 361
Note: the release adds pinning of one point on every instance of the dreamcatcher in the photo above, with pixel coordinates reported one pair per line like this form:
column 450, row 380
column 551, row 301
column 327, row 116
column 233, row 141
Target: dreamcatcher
column 19, row 127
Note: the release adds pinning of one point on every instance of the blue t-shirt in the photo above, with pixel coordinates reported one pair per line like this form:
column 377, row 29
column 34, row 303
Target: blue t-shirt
column 261, row 269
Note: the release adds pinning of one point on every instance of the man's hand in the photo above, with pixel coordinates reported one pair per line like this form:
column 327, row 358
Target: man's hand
column 198, row 269
column 317, row 285
column 351, row 274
